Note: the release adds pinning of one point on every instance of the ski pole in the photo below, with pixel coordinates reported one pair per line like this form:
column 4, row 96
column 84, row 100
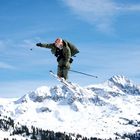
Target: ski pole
column 83, row 73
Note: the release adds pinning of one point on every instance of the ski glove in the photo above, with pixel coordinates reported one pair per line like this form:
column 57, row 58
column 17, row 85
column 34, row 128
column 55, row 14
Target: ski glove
column 39, row 44
column 71, row 60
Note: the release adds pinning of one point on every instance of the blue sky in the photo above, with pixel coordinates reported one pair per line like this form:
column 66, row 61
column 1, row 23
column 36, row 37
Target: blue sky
column 107, row 33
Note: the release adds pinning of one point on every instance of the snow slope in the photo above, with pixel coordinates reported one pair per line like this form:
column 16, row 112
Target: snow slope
column 94, row 111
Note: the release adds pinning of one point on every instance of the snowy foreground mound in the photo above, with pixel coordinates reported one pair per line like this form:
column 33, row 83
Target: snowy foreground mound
column 104, row 110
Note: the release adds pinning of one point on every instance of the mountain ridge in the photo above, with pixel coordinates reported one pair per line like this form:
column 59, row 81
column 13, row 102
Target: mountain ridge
column 94, row 110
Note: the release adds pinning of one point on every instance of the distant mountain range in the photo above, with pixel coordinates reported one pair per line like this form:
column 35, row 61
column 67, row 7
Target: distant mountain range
column 107, row 110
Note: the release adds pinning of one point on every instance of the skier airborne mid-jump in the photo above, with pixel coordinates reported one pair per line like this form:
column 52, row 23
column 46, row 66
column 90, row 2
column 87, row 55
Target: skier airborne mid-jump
column 63, row 50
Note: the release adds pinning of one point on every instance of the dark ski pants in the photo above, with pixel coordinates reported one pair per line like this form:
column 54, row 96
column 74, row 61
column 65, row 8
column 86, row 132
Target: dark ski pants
column 63, row 72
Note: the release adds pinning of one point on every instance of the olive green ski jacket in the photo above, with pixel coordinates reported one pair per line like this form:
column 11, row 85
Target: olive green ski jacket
column 63, row 62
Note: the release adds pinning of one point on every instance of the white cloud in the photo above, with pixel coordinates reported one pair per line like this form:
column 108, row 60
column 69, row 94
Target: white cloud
column 100, row 13
column 4, row 65
column 95, row 12
column 2, row 45
column 129, row 8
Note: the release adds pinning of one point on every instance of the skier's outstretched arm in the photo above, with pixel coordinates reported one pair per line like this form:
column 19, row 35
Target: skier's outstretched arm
column 50, row 46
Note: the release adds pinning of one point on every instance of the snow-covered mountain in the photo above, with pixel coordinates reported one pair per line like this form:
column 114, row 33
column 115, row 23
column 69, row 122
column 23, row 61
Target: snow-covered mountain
column 105, row 110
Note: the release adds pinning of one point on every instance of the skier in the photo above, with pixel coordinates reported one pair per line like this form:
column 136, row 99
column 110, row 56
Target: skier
column 63, row 50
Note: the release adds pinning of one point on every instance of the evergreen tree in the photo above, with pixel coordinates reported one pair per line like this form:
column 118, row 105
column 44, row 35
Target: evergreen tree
column 33, row 133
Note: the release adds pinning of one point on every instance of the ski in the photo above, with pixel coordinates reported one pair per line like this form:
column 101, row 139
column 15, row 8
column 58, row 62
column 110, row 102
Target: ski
column 62, row 80
column 69, row 85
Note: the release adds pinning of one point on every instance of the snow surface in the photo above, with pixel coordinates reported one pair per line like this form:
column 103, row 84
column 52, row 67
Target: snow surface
column 93, row 111
column 4, row 134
